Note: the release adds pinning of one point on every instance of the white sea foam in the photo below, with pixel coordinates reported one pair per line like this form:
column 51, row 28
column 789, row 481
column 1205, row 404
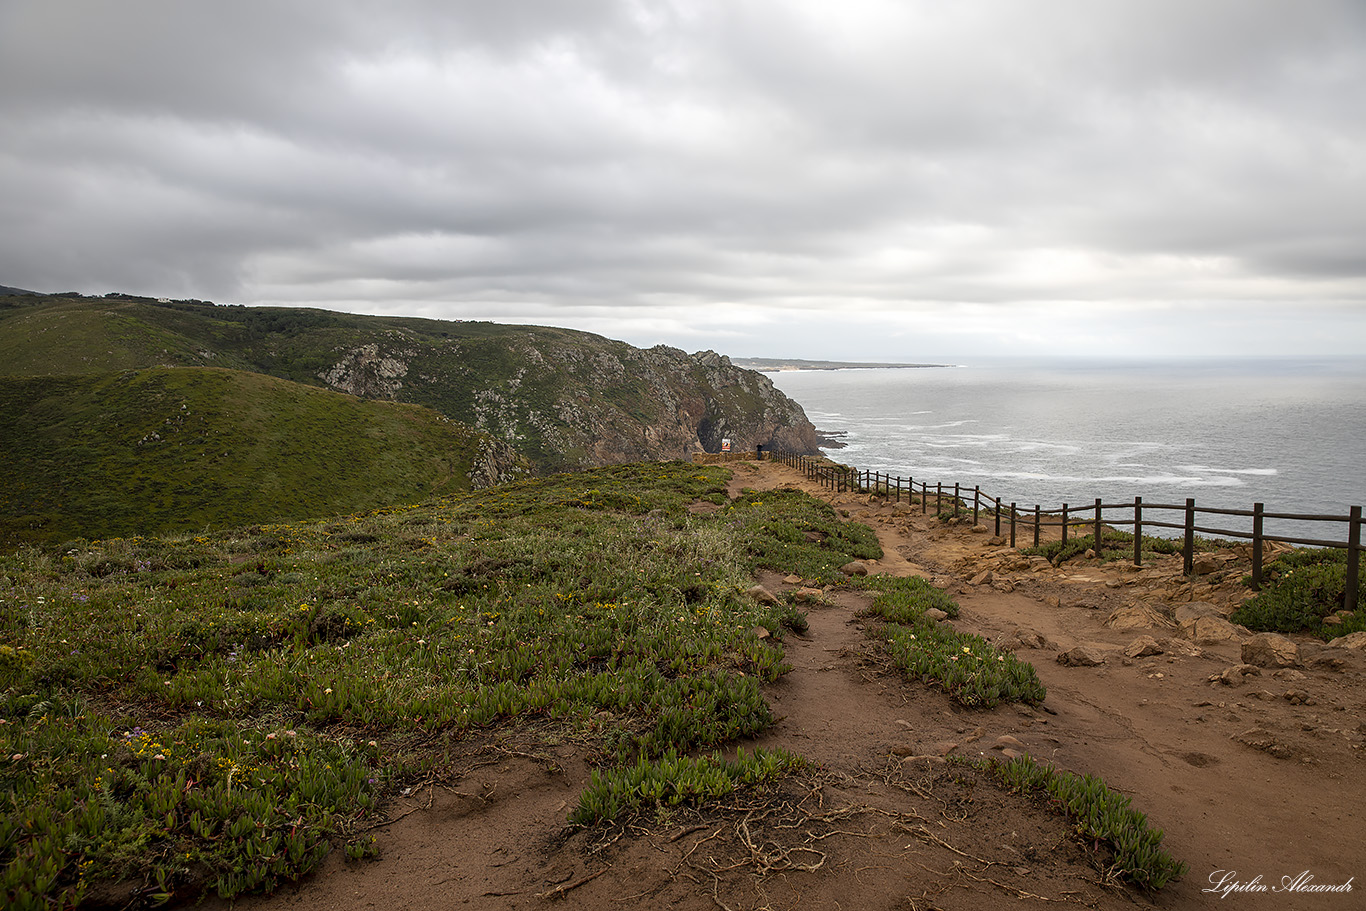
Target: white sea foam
column 1051, row 433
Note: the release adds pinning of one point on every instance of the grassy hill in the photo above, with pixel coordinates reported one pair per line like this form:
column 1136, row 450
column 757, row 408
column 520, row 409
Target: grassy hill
column 562, row 398
column 173, row 449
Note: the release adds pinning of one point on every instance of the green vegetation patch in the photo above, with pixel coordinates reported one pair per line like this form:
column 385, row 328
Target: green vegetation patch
column 788, row 531
column 672, row 780
column 160, row 697
column 967, row 667
column 173, row 450
column 1101, row 814
column 904, row 599
column 1301, row 590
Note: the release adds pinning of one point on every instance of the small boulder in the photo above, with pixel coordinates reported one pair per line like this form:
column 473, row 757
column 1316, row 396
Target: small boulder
column 1136, row 616
column 1330, row 660
column 793, row 579
column 855, row 568
column 1234, row 675
column 1351, row 640
column 1021, row 638
column 1270, row 650
column 1211, row 629
column 1204, row 564
column 1194, row 610
column 980, row 529
column 935, row 614
column 1006, row 742
column 763, row 595
column 982, row 578
column 1081, row 656
column 1143, row 647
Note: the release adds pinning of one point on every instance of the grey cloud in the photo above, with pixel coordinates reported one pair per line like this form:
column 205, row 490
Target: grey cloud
column 642, row 157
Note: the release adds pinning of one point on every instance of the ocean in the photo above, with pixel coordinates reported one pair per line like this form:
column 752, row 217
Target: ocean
column 1289, row 433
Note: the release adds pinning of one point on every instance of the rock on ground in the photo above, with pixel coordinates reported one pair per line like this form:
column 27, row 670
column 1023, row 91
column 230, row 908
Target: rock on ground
column 1271, row 650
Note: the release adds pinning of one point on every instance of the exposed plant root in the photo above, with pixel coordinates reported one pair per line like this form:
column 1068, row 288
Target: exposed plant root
column 562, row 889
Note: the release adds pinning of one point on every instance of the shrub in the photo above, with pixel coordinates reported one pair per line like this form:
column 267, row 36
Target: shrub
column 967, row 667
column 671, row 780
column 1301, row 589
column 904, row 599
column 1099, row 813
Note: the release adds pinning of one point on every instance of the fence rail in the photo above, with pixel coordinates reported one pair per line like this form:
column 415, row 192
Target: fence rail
column 1136, row 514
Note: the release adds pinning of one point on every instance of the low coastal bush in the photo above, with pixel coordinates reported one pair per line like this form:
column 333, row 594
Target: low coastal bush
column 671, row 780
column 788, row 531
column 1301, row 590
column 967, row 667
column 904, row 599
column 218, row 711
column 1100, row 814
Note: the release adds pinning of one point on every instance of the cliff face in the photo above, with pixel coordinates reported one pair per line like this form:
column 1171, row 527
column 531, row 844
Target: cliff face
column 570, row 400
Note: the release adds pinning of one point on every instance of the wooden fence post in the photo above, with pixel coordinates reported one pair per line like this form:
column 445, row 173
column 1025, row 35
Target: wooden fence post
column 1036, row 524
column 1257, row 521
column 1064, row 523
column 998, row 517
column 1189, row 548
column 938, row 497
column 957, row 500
column 1100, row 544
column 1353, row 559
column 1138, row 531
column 1012, row 524
column 976, row 501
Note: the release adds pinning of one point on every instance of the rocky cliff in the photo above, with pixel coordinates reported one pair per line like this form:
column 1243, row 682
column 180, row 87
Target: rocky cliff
column 568, row 400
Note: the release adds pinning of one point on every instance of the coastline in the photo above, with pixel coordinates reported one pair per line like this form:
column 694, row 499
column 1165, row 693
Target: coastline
column 790, row 365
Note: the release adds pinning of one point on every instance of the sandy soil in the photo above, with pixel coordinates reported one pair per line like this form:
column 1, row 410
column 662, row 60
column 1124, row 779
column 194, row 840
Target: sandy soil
column 1258, row 777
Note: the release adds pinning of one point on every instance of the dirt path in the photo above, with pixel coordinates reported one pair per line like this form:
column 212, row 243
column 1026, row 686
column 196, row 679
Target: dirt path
column 1240, row 777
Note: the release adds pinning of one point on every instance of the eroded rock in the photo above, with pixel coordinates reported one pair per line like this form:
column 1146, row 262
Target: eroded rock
column 1081, row 656
column 1143, row 647
column 762, row 595
column 1355, row 640
column 1270, row 650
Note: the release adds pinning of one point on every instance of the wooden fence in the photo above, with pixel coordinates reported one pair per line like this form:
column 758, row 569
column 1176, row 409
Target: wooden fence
column 1092, row 518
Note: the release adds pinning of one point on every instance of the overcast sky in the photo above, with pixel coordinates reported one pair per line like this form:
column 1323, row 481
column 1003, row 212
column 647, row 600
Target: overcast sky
column 814, row 178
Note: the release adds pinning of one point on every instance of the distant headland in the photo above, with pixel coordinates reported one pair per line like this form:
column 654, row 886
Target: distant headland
column 773, row 364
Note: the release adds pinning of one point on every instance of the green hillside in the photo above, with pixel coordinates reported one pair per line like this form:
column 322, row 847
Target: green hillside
column 564, row 399
column 166, row 449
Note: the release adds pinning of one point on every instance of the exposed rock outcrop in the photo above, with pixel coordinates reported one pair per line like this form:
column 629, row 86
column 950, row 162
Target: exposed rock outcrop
column 569, row 399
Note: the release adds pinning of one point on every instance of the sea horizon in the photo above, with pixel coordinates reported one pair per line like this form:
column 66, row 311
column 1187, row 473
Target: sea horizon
column 1287, row 431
